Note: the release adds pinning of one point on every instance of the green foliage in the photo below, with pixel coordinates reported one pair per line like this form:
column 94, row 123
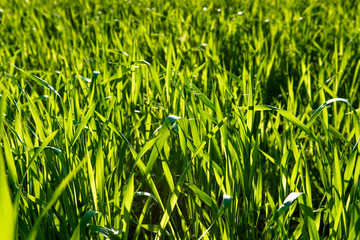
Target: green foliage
column 179, row 119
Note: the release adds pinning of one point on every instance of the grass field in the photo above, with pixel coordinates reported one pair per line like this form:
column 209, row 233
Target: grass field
column 179, row 119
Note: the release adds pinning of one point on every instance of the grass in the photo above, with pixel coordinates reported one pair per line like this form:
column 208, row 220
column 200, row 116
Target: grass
column 179, row 120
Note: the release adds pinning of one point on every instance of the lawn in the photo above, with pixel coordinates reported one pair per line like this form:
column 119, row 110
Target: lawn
column 155, row 119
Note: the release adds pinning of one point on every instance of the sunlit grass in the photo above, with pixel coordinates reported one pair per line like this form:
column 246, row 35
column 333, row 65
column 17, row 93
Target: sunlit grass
column 179, row 120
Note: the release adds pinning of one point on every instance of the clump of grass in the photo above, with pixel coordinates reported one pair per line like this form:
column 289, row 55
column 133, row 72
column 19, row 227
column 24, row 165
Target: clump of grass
column 179, row 120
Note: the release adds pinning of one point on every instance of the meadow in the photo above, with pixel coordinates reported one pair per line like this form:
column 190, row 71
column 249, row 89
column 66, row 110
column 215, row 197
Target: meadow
column 151, row 119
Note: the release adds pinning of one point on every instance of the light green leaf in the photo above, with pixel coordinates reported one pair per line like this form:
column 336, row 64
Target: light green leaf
column 7, row 217
column 289, row 200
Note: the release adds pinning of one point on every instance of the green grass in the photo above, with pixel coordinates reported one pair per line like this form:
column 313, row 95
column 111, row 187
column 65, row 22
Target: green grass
column 179, row 119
